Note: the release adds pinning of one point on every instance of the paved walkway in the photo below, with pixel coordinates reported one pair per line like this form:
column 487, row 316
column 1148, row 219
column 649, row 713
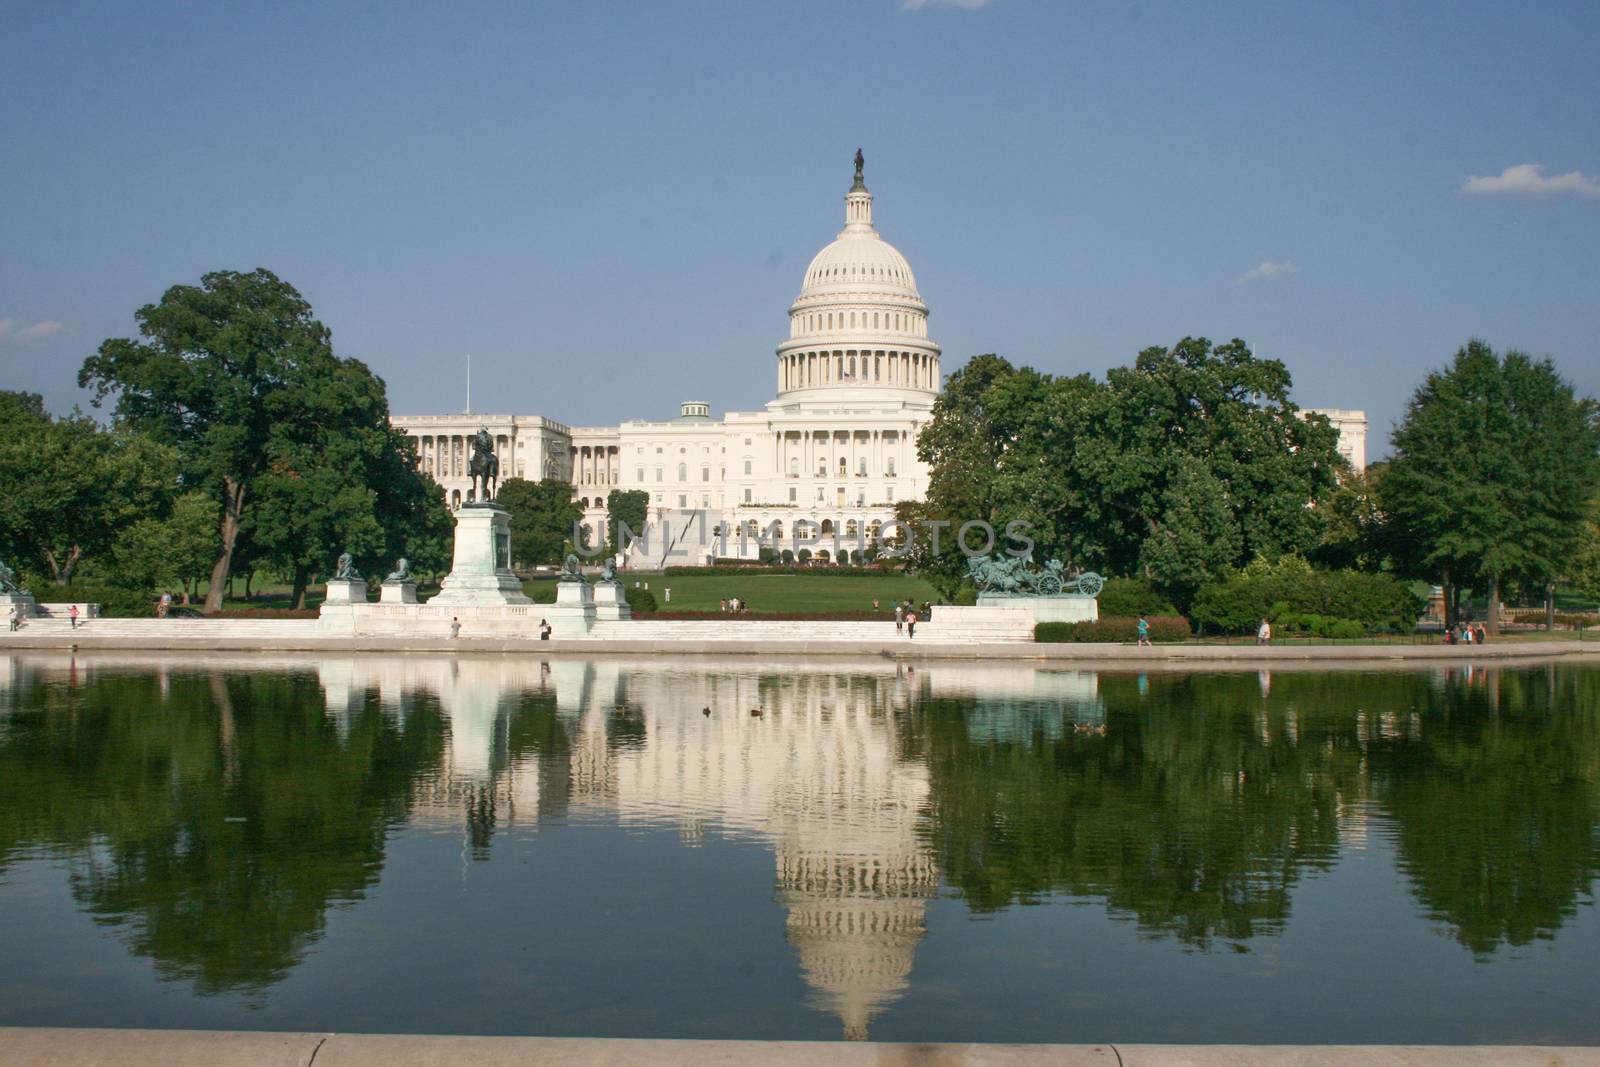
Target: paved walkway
column 296, row 635
column 222, row 1048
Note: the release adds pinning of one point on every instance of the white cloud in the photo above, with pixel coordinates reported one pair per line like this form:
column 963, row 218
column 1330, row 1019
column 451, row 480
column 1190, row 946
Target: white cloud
column 43, row 328
column 918, row 5
column 1267, row 269
column 1528, row 179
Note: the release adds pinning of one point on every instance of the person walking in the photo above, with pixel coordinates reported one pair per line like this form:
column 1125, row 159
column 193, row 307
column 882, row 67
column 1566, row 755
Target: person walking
column 72, row 613
column 899, row 617
column 16, row 617
column 1144, row 631
column 1479, row 634
column 1264, row 635
column 911, row 625
column 455, row 627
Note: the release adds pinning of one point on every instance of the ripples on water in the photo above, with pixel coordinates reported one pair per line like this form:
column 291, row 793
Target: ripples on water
column 739, row 848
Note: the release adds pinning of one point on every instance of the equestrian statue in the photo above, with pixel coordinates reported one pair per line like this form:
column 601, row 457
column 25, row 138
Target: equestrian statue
column 484, row 464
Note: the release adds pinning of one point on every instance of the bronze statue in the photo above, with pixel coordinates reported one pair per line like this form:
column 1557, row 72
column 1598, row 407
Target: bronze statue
column 401, row 572
column 485, row 465
column 346, row 569
column 861, row 162
column 9, row 585
column 571, row 571
column 608, row 572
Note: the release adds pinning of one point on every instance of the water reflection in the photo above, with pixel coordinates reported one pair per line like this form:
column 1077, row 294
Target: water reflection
column 212, row 814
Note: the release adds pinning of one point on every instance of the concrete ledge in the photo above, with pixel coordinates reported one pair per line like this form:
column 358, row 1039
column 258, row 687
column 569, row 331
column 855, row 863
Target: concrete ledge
column 224, row 1048
column 1116, row 656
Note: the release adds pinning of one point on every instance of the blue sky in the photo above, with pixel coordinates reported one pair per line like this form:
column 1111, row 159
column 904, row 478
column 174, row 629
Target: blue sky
column 610, row 206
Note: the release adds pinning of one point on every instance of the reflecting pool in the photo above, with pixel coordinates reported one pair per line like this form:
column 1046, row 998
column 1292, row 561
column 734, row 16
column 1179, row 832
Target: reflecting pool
column 732, row 847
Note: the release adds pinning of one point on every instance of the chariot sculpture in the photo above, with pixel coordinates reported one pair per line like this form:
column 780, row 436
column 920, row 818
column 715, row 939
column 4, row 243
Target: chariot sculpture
column 1011, row 576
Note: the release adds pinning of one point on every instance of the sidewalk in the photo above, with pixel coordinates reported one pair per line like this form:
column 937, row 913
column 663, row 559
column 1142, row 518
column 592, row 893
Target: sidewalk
column 1117, row 656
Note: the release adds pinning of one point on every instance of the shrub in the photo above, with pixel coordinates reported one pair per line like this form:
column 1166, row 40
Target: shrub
column 116, row 602
column 1132, row 597
column 642, row 600
column 1112, row 629
column 1298, row 598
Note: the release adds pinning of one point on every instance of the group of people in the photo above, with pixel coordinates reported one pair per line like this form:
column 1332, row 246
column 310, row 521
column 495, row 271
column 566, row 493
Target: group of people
column 1465, row 633
column 734, row 604
column 906, row 616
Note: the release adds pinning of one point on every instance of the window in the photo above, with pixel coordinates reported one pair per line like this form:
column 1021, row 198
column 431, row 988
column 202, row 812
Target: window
column 658, row 450
column 747, row 442
column 683, row 451
column 844, row 467
column 683, row 472
column 658, row 474
column 747, row 500
column 638, row 474
column 793, row 494
column 683, row 502
column 863, row 470
column 888, row 494
column 747, row 466
column 822, row 494
column 794, row 466
column 705, row 474
column 889, row 469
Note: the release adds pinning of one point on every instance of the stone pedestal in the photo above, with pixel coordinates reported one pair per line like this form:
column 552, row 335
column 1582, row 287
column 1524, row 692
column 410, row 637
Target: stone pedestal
column 611, row 602
column 346, row 591
column 480, row 573
column 1047, row 608
column 9, row 602
column 397, row 593
column 573, row 613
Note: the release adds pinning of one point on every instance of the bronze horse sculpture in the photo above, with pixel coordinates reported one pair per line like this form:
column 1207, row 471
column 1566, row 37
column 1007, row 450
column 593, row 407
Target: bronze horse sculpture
column 484, row 464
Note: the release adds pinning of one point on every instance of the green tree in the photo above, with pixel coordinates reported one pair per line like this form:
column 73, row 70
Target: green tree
column 1191, row 461
column 543, row 515
column 625, row 507
column 242, row 380
column 71, row 486
column 170, row 552
column 1494, row 466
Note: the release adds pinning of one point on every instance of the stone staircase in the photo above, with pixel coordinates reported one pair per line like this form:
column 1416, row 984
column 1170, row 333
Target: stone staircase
column 1005, row 627
column 167, row 628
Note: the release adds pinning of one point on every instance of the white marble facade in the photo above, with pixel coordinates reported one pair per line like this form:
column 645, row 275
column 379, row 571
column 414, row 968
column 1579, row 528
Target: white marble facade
column 856, row 379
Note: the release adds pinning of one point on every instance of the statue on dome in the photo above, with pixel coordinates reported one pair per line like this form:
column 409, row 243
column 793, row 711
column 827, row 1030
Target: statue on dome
column 861, row 162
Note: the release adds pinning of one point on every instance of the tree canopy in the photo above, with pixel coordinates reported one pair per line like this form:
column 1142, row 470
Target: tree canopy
column 543, row 514
column 1189, row 462
column 1494, row 468
column 292, row 441
column 73, row 487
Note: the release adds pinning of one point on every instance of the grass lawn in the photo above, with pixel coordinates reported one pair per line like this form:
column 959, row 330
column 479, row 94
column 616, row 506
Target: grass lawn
column 769, row 593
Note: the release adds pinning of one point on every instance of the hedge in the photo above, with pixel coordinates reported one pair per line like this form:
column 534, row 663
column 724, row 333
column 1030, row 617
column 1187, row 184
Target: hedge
column 1118, row 628
column 1374, row 602
column 1132, row 597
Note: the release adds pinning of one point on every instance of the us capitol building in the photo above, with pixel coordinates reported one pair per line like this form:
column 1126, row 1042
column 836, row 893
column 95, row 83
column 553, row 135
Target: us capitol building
column 856, row 381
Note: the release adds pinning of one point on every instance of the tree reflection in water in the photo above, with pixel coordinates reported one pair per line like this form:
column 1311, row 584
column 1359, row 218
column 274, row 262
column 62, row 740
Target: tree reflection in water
column 213, row 816
column 1210, row 796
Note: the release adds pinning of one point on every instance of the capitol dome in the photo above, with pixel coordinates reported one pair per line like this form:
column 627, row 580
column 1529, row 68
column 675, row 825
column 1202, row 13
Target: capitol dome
column 859, row 320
